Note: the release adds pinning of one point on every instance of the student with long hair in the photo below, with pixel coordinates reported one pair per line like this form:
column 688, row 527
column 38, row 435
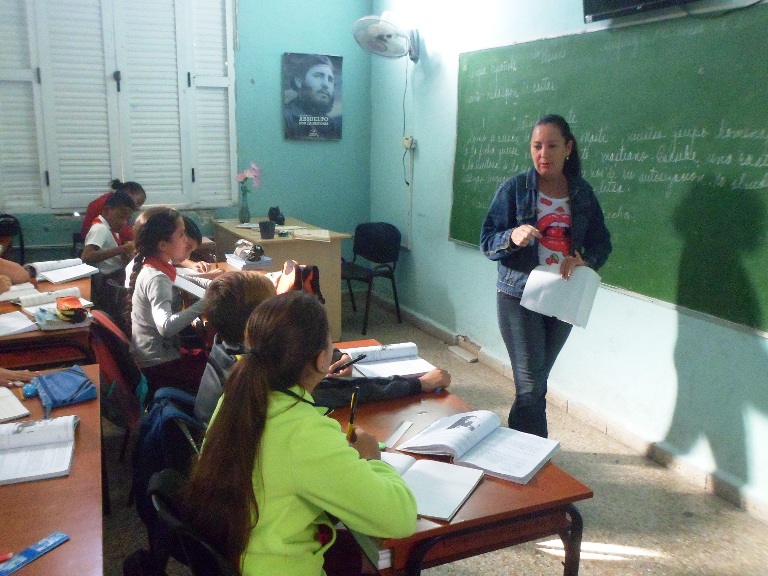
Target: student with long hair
column 274, row 471
column 159, row 241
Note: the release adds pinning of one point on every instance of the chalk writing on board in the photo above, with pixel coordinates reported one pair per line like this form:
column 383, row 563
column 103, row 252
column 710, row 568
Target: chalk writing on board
column 672, row 131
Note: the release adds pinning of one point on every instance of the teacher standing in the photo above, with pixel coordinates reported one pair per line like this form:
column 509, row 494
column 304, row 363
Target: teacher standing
column 546, row 215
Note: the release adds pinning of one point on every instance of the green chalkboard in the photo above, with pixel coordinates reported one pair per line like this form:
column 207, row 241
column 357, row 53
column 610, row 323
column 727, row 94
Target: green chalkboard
column 671, row 118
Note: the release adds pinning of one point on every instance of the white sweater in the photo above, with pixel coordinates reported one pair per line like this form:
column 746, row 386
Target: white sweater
column 154, row 325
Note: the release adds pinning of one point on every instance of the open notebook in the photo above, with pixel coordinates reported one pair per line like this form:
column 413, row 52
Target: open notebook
column 389, row 360
column 440, row 488
column 58, row 271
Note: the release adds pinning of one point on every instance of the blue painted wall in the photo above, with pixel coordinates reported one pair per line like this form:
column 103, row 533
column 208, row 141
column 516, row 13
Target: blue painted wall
column 695, row 385
column 325, row 183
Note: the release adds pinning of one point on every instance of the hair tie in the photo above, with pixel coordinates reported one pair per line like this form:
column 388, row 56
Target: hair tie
column 253, row 352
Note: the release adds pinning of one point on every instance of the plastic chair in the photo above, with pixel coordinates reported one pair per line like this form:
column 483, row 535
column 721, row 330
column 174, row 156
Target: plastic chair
column 183, row 542
column 121, row 378
column 379, row 243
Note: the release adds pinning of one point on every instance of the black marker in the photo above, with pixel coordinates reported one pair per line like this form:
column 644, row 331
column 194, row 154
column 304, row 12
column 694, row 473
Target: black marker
column 348, row 364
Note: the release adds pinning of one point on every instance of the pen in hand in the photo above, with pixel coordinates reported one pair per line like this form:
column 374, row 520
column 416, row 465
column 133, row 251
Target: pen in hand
column 348, row 364
column 352, row 408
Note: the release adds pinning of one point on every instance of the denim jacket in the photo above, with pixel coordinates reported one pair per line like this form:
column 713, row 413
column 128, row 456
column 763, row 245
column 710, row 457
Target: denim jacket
column 514, row 204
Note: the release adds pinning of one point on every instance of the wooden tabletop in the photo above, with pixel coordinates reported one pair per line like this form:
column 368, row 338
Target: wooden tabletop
column 70, row 504
column 47, row 348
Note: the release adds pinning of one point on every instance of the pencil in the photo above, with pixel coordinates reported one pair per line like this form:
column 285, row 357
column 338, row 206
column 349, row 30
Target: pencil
column 352, row 408
column 348, row 364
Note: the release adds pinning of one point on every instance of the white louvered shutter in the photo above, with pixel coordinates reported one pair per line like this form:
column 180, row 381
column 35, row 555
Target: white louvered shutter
column 79, row 101
column 65, row 136
column 212, row 102
column 150, row 116
column 21, row 179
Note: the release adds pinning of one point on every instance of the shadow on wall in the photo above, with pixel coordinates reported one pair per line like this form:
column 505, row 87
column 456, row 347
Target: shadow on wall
column 722, row 378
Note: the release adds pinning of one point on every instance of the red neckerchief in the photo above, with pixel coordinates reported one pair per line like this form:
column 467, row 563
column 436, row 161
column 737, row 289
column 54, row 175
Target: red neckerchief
column 102, row 220
column 165, row 267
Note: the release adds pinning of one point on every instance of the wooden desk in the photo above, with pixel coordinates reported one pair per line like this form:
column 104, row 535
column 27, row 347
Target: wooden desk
column 45, row 348
column 498, row 514
column 70, row 504
column 325, row 255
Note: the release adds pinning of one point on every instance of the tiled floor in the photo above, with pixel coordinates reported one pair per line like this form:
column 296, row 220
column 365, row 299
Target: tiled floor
column 643, row 519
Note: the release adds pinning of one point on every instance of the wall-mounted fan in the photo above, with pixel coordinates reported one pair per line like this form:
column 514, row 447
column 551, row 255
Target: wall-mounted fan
column 381, row 36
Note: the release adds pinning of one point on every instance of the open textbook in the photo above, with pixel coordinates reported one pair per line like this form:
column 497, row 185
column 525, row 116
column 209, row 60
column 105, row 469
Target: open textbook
column 476, row 439
column 58, row 271
column 389, row 360
column 15, row 322
column 569, row 300
column 31, row 302
column 18, row 290
column 36, row 449
column 189, row 286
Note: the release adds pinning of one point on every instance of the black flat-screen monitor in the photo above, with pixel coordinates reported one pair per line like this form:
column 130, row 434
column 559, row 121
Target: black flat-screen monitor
column 595, row 10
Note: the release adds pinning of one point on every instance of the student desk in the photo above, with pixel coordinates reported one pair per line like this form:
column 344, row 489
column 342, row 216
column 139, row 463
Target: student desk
column 70, row 504
column 44, row 348
column 325, row 255
column 497, row 514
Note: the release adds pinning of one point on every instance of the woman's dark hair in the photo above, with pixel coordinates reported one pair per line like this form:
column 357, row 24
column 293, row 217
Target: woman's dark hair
column 133, row 188
column 156, row 224
column 285, row 334
column 572, row 166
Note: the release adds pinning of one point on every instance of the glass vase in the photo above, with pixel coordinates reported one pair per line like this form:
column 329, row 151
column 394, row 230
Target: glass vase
column 245, row 213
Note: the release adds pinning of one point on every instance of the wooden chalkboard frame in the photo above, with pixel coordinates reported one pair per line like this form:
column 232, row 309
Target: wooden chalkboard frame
column 671, row 118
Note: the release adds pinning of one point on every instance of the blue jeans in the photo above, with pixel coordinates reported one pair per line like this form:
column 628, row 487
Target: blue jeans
column 533, row 342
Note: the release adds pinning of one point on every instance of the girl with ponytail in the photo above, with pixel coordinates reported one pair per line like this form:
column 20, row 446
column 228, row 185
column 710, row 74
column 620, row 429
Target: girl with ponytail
column 159, row 240
column 274, row 471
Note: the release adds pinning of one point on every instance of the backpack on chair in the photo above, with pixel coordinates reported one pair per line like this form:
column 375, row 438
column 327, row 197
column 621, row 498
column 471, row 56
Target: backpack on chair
column 169, row 437
column 297, row 276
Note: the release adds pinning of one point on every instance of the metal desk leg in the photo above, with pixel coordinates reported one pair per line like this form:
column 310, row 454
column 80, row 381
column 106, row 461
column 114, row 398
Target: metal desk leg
column 572, row 541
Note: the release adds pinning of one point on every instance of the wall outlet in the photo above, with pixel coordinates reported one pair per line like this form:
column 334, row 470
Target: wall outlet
column 409, row 142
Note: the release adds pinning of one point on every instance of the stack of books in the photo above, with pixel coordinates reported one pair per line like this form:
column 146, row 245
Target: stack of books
column 240, row 264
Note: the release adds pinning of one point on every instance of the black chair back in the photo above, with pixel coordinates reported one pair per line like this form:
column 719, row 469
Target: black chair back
column 377, row 242
column 186, row 545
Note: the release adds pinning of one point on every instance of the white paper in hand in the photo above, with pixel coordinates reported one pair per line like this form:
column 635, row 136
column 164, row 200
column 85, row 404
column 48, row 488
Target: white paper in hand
column 569, row 300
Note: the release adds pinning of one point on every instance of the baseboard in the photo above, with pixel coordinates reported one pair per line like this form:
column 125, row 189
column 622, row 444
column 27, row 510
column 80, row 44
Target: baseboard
column 658, row 452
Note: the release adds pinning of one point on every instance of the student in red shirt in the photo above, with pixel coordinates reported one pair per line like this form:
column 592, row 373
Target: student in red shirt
column 133, row 189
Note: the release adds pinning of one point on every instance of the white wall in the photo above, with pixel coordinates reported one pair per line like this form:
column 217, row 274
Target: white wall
column 695, row 385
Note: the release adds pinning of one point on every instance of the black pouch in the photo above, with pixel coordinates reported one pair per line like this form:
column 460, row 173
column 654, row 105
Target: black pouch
column 248, row 250
column 276, row 216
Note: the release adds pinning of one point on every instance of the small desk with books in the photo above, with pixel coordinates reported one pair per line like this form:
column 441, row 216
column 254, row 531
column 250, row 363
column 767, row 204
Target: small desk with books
column 325, row 255
column 70, row 504
column 42, row 348
column 497, row 514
